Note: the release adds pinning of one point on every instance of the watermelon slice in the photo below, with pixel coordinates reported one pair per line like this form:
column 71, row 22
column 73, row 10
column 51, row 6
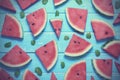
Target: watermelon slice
column 53, row 77
column 48, row 54
column 57, row 25
column 112, row 48
column 77, row 18
column 7, row 5
column 77, row 46
column 104, row 6
column 92, row 78
column 4, row 75
column 58, row 2
column 117, row 20
column 16, row 57
column 76, row 72
column 37, row 21
column 25, row 3
column 103, row 67
column 11, row 27
column 28, row 75
column 117, row 66
column 102, row 30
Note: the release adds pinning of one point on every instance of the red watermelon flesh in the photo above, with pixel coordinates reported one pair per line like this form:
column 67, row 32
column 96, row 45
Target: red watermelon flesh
column 92, row 78
column 117, row 20
column 7, row 5
column 11, row 27
column 37, row 21
column 58, row 2
column 53, row 77
column 112, row 48
column 26, row 3
column 4, row 75
column 117, row 66
column 57, row 25
column 77, row 46
column 76, row 72
column 48, row 54
column 102, row 30
column 104, row 6
column 16, row 57
column 77, row 18
column 28, row 75
column 103, row 67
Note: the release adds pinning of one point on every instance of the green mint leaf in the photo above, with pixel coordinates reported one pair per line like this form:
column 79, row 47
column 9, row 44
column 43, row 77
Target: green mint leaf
column 79, row 2
column 7, row 45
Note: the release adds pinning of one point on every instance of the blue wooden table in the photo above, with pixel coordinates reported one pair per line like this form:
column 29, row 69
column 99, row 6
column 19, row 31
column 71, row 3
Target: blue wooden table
column 48, row 35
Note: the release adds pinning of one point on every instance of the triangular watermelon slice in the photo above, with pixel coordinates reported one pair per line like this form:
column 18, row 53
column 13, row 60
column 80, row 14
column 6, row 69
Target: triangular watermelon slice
column 77, row 46
column 53, row 77
column 102, row 30
column 112, row 48
column 76, row 72
column 16, row 57
column 28, row 75
column 25, row 3
column 12, row 27
column 103, row 67
column 57, row 25
column 104, row 6
column 117, row 20
column 4, row 75
column 92, row 78
column 117, row 66
column 48, row 54
column 77, row 18
column 7, row 5
column 58, row 2
column 37, row 21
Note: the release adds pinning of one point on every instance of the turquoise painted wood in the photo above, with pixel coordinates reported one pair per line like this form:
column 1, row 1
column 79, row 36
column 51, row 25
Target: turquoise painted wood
column 48, row 35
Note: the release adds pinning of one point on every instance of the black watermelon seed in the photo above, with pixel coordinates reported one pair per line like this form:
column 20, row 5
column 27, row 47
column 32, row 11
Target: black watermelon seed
column 74, row 41
column 80, row 17
column 45, row 51
column 33, row 23
column 78, row 42
column 20, row 52
column 106, row 33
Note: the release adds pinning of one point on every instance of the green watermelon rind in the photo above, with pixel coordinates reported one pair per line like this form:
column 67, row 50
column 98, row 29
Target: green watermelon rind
column 72, row 25
column 83, row 61
column 57, row 4
column 17, row 65
column 111, row 43
column 43, row 26
column 20, row 27
column 101, row 11
column 55, row 60
column 101, row 21
column 99, row 71
column 79, row 53
column 24, row 75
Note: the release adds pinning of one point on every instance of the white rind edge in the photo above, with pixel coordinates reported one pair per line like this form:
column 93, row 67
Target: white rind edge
column 103, row 12
column 62, row 1
column 111, row 43
column 18, row 65
column 43, row 26
column 79, row 53
column 72, row 25
column 25, row 74
column 72, row 67
column 97, row 20
column 20, row 27
column 98, row 71
column 55, row 60
column 51, row 20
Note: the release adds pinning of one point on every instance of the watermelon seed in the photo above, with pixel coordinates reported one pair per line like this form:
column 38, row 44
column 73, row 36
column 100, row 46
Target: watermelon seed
column 20, row 52
column 78, row 74
column 59, row 29
column 9, row 77
column 36, row 79
column 110, row 4
column 33, row 15
column 80, row 17
column 78, row 42
column 10, row 29
column 104, row 60
column 74, row 41
column 45, row 51
column 107, row 62
column 106, row 33
column 33, row 23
